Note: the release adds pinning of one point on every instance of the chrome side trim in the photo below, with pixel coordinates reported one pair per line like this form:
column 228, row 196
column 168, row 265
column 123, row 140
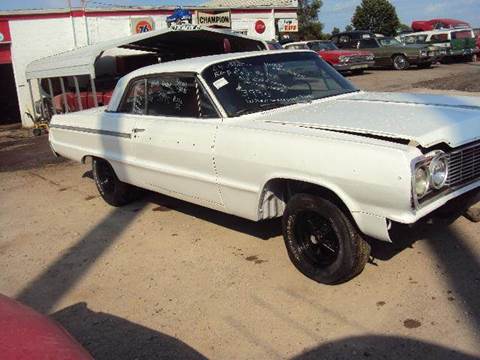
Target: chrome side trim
column 92, row 131
column 406, row 102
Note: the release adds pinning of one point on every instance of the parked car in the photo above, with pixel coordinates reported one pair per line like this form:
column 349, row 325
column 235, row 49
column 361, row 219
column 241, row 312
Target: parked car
column 342, row 60
column 427, row 25
column 457, row 43
column 26, row 335
column 390, row 52
column 350, row 39
column 273, row 134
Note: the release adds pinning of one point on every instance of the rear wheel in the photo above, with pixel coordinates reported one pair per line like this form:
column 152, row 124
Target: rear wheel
column 400, row 62
column 322, row 242
column 112, row 190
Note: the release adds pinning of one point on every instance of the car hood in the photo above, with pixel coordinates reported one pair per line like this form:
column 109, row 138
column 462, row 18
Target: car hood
column 424, row 119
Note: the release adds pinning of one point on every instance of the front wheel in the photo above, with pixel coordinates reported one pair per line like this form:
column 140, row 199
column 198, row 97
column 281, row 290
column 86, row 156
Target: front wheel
column 112, row 190
column 400, row 62
column 322, row 242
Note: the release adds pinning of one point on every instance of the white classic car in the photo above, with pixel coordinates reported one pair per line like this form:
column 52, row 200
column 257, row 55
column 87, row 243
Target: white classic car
column 281, row 134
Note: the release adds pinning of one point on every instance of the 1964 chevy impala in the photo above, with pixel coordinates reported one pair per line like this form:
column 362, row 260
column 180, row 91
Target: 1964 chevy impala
column 282, row 134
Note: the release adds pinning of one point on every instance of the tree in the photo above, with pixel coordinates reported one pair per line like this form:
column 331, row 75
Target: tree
column 403, row 28
column 335, row 31
column 309, row 28
column 348, row 28
column 378, row 16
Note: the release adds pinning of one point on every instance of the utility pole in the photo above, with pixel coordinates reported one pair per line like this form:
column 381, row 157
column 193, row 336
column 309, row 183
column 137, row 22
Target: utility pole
column 75, row 44
column 84, row 6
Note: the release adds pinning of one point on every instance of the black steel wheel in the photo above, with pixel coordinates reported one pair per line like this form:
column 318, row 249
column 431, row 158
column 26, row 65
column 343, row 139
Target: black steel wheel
column 322, row 241
column 112, row 190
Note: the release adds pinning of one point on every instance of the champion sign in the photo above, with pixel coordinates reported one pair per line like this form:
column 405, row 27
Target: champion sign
column 222, row 19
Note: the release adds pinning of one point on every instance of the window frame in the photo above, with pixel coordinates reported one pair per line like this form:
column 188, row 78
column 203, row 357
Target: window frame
column 146, row 77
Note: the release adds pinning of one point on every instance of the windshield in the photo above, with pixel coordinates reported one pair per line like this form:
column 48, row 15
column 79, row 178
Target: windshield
column 389, row 42
column 319, row 46
column 264, row 82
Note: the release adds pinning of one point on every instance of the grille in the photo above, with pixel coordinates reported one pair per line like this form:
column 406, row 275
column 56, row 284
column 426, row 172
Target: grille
column 358, row 59
column 464, row 166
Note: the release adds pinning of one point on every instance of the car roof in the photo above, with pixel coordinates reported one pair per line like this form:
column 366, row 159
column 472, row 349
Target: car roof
column 198, row 64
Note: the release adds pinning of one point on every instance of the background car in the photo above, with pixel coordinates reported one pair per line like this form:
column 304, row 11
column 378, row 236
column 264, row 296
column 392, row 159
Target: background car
column 391, row 52
column 342, row 60
column 454, row 44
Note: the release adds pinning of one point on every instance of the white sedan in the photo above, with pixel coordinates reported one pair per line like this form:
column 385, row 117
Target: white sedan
column 281, row 134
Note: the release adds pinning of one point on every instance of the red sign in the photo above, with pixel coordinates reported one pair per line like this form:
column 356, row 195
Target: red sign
column 143, row 26
column 4, row 32
column 260, row 26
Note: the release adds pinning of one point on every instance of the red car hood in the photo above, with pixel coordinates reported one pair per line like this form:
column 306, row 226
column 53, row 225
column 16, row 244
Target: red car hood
column 26, row 334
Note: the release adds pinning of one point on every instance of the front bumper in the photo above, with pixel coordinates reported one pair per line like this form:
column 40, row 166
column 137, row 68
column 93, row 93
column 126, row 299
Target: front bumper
column 454, row 204
column 354, row 66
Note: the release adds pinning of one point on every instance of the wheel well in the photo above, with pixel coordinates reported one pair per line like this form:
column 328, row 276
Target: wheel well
column 277, row 192
column 86, row 158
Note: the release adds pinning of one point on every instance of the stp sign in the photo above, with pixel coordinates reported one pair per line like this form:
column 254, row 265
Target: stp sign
column 260, row 26
column 142, row 25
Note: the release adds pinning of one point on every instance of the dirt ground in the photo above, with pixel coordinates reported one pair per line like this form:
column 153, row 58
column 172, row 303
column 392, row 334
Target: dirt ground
column 162, row 279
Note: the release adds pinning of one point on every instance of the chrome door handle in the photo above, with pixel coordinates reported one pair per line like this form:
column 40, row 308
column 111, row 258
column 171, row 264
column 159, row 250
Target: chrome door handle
column 135, row 130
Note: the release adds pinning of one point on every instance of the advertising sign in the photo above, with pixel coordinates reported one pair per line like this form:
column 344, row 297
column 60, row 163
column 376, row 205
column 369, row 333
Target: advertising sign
column 287, row 25
column 222, row 19
column 4, row 32
column 141, row 25
column 260, row 26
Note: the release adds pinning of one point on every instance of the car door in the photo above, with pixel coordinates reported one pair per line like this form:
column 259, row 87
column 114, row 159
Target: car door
column 116, row 130
column 372, row 45
column 175, row 139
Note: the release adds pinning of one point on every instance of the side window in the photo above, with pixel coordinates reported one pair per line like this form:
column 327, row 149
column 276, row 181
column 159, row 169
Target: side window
column 179, row 96
column 134, row 102
column 367, row 44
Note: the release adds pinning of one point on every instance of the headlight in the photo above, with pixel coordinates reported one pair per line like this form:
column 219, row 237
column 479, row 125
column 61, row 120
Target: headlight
column 422, row 182
column 343, row 58
column 438, row 171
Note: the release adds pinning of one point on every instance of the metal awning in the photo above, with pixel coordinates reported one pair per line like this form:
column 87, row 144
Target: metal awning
column 176, row 42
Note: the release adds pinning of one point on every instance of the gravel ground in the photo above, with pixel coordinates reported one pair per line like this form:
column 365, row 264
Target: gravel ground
column 162, row 278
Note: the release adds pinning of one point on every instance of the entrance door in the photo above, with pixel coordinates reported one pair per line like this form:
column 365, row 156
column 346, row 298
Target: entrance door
column 8, row 96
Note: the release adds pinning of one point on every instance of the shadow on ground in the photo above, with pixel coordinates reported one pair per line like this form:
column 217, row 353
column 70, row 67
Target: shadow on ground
column 26, row 153
column 108, row 337
column 382, row 347
column 264, row 230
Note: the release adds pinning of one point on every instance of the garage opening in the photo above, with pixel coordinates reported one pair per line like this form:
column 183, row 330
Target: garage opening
column 8, row 97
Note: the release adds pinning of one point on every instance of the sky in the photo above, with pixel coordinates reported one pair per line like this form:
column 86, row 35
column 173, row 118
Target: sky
column 333, row 13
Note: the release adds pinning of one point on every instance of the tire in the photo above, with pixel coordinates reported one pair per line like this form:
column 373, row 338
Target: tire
column 37, row 132
column 400, row 62
column 322, row 242
column 112, row 190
